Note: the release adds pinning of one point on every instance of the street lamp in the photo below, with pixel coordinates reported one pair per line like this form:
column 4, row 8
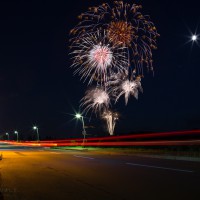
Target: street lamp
column 8, row 135
column 36, row 128
column 79, row 116
column 194, row 37
column 16, row 132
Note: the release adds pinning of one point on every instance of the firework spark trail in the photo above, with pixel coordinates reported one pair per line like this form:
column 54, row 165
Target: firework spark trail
column 111, row 118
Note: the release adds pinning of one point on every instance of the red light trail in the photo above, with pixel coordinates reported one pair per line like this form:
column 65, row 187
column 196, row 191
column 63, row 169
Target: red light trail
column 120, row 140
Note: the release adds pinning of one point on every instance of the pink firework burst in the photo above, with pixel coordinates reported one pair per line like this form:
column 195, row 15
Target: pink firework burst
column 95, row 58
column 100, row 56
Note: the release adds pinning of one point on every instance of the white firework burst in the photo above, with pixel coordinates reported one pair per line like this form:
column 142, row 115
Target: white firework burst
column 96, row 99
column 126, row 87
column 111, row 118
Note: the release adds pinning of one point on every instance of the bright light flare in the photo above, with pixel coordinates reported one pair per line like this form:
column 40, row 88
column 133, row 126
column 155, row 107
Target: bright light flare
column 194, row 37
column 78, row 116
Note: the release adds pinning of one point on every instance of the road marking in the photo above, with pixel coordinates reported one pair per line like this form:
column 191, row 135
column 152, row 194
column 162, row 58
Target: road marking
column 84, row 157
column 55, row 152
column 151, row 166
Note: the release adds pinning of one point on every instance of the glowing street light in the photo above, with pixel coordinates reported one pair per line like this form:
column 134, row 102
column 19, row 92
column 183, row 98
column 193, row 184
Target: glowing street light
column 79, row 116
column 16, row 132
column 36, row 128
column 194, row 37
column 8, row 135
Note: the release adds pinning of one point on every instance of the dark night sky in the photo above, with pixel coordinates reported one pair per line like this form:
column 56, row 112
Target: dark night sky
column 38, row 87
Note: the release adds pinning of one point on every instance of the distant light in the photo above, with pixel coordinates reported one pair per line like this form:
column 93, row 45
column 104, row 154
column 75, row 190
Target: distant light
column 78, row 116
column 194, row 38
column 16, row 132
column 35, row 127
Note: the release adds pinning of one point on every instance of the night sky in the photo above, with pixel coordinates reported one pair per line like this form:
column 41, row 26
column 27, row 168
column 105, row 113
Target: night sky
column 37, row 85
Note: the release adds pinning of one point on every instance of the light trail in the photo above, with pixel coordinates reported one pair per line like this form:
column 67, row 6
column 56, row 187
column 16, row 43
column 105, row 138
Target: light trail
column 132, row 136
column 132, row 143
column 157, row 139
column 123, row 143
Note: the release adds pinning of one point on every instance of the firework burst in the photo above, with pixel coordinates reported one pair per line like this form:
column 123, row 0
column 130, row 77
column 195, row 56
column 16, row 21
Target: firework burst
column 120, row 85
column 128, row 88
column 120, row 33
column 111, row 118
column 96, row 99
column 95, row 58
column 110, row 46
column 125, row 26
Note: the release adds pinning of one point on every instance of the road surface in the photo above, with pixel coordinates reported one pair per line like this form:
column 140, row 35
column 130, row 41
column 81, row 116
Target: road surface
column 40, row 174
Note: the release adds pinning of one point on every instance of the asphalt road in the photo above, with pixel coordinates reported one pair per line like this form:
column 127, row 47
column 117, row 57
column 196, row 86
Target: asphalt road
column 40, row 174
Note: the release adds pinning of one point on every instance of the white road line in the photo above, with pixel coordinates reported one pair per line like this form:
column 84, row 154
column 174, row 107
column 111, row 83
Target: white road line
column 84, row 157
column 151, row 166
column 55, row 152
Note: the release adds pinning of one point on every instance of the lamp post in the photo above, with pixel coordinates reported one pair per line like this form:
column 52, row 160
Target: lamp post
column 36, row 128
column 16, row 132
column 79, row 116
column 8, row 135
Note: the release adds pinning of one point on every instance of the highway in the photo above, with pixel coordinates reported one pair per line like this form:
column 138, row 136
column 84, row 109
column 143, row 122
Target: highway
column 39, row 174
